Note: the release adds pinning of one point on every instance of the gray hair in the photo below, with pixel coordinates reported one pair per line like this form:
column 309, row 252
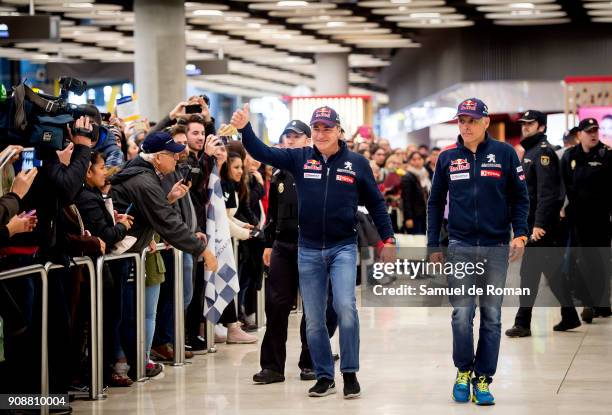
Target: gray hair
column 148, row 157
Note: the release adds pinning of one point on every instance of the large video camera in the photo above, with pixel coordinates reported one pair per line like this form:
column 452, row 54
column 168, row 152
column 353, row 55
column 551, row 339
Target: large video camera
column 41, row 121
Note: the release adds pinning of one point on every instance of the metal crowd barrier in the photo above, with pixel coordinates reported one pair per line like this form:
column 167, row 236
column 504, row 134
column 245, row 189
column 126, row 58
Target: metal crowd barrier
column 99, row 393
column 179, row 312
column 179, row 334
column 94, row 345
column 44, row 357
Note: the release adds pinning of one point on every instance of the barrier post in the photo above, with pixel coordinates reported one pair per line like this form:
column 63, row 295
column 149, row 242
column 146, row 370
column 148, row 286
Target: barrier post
column 44, row 355
column 210, row 337
column 100, row 310
column 179, row 313
column 93, row 324
column 261, row 306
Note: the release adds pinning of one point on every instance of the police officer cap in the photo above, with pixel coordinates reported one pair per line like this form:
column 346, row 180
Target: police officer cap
column 533, row 115
column 588, row 124
column 297, row 126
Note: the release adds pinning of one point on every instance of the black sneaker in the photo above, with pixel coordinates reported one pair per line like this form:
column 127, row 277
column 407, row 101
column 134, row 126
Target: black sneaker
column 336, row 357
column 518, row 331
column 323, row 387
column 268, row 376
column 587, row 315
column 308, row 374
column 197, row 345
column 565, row 325
column 351, row 386
column 602, row 312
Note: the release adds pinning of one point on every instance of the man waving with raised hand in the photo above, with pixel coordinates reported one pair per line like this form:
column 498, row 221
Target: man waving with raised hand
column 331, row 181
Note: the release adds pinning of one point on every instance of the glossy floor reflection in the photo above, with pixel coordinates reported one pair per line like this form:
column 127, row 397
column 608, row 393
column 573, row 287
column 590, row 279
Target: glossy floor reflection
column 406, row 368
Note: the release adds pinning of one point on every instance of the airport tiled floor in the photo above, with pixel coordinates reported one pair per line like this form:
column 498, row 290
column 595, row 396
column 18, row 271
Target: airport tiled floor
column 406, row 368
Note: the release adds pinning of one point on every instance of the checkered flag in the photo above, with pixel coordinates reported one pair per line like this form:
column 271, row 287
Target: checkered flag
column 223, row 285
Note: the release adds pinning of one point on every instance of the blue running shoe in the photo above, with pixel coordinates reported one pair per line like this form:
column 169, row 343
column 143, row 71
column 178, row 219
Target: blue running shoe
column 461, row 390
column 482, row 395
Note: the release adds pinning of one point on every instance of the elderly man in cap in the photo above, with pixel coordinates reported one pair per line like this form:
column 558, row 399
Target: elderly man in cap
column 330, row 181
column 139, row 184
column 542, row 175
column 587, row 172
column 484, row 181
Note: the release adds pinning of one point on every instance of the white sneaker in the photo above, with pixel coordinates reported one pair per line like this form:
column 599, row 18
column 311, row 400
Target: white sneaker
column 220, row 333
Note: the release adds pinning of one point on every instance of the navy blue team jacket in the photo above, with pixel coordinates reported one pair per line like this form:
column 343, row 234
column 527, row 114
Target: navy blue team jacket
column 487, row 194
column 328, row 192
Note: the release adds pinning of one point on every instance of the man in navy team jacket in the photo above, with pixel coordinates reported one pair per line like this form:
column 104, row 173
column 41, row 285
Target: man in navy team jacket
column 487, row 199
column 331, row 181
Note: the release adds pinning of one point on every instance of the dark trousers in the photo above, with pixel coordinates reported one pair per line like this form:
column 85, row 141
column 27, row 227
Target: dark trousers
column 164, row 319
column 544, row 257
column 281, row 292
column 195, row 311
column 591, row 260
column 250, row 272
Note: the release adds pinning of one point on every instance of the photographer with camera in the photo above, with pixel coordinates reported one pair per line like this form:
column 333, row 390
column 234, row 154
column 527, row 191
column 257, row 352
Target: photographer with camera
column 53, row 189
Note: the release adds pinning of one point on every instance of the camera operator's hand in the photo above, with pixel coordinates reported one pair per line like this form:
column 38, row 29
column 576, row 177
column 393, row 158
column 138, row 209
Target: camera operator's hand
column 125, row 220
column 240, row 118
column 66, row 154
column 84, row 123
column 23, row 181
column 210, row 260
column 178, row 111
column 21, row 223
column 179, row 190
column 212, row 144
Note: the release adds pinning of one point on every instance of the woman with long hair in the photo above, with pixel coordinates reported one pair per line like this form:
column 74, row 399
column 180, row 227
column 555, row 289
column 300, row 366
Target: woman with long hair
column 415, row 190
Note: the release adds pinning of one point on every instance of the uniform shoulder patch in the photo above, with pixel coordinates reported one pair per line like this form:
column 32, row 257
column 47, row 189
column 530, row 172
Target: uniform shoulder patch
column 544, row 160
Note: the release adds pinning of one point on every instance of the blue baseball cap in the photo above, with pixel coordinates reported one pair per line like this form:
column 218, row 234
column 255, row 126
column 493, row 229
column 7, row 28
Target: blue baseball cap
column 325, row 115
column 472, row 107
column 161, row 141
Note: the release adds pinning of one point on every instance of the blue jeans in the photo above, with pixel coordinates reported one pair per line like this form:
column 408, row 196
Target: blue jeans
column 151, row 297
column 316, row 267
column 164, row 326
column 187, row 279
column 484, row 362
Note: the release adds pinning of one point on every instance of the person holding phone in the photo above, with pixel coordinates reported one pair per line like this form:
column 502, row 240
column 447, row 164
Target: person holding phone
column 11, row 222
column 179, row 112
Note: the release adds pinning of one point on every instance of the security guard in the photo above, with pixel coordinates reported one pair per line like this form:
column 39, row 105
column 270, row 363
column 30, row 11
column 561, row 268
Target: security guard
column 541, row 169
column 587, row 174
column 280, row 256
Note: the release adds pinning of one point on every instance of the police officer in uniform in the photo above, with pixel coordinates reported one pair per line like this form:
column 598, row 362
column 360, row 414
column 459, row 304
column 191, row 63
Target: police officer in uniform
column 540, row 166
column 280, row 256
column 587, row 174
